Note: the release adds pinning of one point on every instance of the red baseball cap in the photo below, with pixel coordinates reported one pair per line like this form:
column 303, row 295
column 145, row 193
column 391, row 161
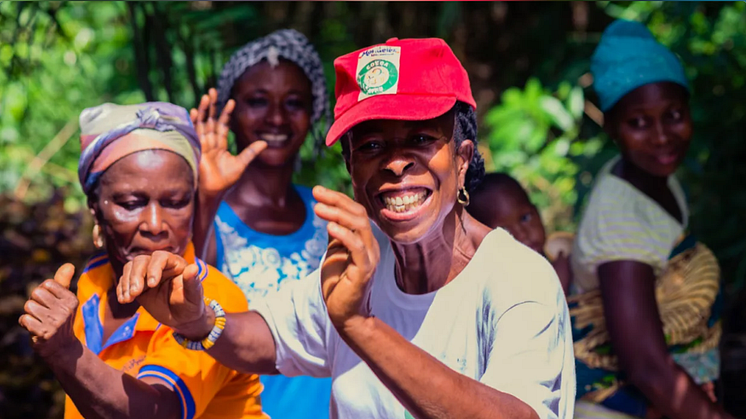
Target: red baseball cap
column 404, row 79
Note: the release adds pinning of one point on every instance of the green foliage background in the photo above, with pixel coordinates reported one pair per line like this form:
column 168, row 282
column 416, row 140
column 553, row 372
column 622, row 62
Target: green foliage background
column 528, row 63
column 529, row 67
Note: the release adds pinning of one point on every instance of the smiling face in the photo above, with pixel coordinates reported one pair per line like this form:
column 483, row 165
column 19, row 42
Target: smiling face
column 144, row 203
column 653, row 127
column 273, row 104
column 407, row 174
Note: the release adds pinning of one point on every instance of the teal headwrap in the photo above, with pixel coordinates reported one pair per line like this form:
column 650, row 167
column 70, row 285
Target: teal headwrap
column 628, row 57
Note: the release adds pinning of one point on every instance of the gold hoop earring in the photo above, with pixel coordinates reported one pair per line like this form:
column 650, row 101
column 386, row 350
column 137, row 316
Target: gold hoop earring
column 98, row 238
column 463, row 197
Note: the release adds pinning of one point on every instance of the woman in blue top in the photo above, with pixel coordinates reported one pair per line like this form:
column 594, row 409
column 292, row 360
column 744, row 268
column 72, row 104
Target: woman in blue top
column 253, row 222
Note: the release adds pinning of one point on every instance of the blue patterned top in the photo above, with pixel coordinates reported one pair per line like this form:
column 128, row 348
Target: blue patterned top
column 261, row 264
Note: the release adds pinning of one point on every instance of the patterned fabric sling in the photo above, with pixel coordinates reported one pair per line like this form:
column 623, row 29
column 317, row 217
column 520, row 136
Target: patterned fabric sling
column 689, row 300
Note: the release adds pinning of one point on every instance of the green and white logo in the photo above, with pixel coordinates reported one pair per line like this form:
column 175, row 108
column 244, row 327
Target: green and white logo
column 378, row 71
column 377, row 77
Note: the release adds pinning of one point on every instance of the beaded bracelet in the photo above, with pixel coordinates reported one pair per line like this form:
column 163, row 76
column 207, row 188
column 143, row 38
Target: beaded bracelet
column 215, row 333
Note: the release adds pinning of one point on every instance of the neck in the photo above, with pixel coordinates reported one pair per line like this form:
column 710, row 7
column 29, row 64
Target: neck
column 261, row 185
column 638, row 177
column 433, row 262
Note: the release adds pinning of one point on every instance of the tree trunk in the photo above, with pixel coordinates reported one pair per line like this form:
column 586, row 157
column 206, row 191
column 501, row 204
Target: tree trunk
column 142, row 61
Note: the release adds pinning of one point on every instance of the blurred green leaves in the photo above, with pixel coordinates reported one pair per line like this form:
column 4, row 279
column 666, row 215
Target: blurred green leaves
column 57, row 58
column 532, row 134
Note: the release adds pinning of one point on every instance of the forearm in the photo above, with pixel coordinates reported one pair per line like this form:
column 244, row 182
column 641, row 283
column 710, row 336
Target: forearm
column 204, row 215
column 246, row 344
column 672, row 391
column 638, row 340
column 100, row 391
column 439, row 393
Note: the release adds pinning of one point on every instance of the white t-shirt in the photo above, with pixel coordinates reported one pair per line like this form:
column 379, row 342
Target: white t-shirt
column 502, row 321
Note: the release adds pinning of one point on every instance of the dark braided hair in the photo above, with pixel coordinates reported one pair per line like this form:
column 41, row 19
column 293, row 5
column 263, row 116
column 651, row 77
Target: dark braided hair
column 465, row 128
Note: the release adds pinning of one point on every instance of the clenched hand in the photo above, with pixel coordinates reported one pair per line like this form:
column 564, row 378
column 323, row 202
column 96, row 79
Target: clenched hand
column 168, row 288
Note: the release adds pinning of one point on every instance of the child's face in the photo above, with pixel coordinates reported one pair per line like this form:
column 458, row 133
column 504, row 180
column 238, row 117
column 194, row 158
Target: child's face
column 513, row 212
column 653, row 128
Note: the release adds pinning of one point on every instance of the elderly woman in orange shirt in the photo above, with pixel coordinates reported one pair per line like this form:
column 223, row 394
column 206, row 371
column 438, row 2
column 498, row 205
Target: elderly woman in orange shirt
column 139, row 169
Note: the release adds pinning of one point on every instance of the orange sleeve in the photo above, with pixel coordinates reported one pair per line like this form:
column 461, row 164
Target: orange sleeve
column 196, row 377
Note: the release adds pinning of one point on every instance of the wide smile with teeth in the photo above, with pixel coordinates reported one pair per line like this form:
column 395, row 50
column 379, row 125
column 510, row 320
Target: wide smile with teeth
column 274, row 138
column 404, row 202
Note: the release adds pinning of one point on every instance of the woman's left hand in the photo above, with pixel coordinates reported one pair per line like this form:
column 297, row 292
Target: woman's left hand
column 218, row 168
column 50, row 313
column 351, row 259
column 709, row 389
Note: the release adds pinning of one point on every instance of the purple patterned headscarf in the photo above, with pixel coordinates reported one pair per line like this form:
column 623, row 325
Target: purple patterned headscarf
column 110, row 132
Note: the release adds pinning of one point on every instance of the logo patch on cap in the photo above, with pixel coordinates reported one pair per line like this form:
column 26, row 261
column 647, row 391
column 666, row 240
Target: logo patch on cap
column 378, row 71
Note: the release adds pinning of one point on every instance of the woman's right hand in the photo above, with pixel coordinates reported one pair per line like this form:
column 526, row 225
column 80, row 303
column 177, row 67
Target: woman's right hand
column 218, row 168
column 168, row 288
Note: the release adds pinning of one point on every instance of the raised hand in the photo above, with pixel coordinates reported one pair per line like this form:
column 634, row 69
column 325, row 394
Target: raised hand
column 168, row 288
column 218, row 168
column 351, row 259
column 50, row 313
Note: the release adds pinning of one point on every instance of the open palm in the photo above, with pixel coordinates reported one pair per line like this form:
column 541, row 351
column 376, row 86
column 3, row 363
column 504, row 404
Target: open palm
column 218, row 168
column 351, row 259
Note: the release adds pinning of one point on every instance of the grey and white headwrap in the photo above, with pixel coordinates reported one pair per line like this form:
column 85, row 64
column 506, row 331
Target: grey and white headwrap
column 292, row 46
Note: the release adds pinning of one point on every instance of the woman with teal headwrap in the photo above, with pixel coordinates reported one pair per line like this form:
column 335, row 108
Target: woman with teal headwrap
column 645, row 316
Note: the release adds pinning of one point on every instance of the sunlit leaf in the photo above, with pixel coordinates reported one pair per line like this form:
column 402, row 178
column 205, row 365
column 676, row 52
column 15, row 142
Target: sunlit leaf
column 576, row 102
column 559, row 115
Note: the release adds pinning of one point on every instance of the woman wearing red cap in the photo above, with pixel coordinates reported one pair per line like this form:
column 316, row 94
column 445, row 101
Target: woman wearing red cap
column 418, row 310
